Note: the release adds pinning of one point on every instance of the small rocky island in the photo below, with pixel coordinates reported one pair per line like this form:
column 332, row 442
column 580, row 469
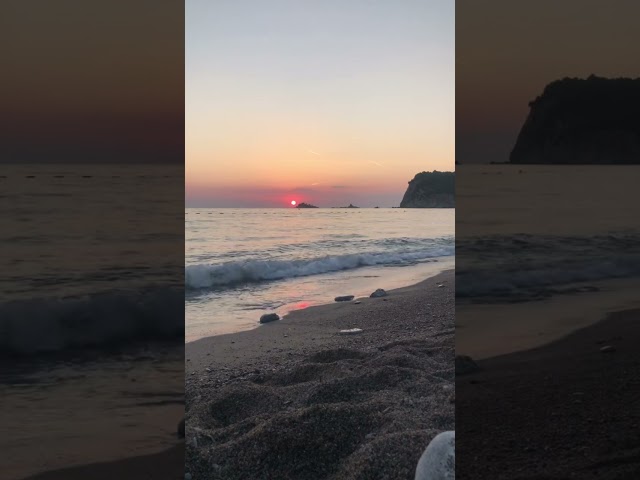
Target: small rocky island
column 431, row 190
column 351, row 205
column 582, row 121
column 305, row 205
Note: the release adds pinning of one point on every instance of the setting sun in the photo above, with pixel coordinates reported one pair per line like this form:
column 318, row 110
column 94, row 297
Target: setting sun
column 293, row 202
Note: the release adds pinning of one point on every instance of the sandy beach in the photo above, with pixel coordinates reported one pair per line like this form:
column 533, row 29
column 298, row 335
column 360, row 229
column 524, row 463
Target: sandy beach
column 294, row 399
column 564, row 405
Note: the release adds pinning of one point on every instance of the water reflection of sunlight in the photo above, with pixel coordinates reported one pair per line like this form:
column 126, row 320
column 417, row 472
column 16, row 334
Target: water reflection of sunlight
column 300, row 305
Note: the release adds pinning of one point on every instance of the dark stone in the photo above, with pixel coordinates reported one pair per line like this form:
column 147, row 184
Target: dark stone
column 378, row 293
column 269, row 317
column 344, row 298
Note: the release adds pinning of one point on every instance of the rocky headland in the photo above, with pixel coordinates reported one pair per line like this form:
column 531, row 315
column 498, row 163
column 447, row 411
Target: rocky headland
column 582, row 121
column 431, row 190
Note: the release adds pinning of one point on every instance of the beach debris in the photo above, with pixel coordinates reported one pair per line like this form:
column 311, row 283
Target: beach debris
column 465, row 364
column 440, row 286
column 181, row 428
column 438, row 462
column 378, row 293
column 607, row 349
column 358, row 302
column 344, row 298
column 269, row 317
column 350, row 331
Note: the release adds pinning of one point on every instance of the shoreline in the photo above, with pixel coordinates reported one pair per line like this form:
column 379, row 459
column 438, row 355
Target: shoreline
column 347, row 403
column 73, row 416
column 542, row 409
column 509, row 328
column 360, row 285
column 167, row 464
column 290, row 325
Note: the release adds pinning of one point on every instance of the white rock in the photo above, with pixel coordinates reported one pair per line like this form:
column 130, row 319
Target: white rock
column 438, row 462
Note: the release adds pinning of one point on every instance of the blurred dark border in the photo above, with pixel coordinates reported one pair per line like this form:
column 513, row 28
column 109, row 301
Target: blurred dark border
column 92, row 187
column 547, row 239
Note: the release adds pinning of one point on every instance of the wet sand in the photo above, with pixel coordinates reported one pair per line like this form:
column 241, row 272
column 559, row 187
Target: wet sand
column 489, row 330
column 164, row 465
column 560, row 411
column 294, row 399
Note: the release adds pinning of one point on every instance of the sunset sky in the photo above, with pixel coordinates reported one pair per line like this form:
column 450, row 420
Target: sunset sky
column 326, row 102
column 507, row 52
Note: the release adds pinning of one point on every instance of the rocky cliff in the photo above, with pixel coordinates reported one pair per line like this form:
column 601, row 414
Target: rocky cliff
column 582, row 121
column 430, row 190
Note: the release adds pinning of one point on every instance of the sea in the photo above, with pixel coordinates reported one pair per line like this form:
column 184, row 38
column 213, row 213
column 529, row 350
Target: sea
column 91, row 313
column 243, row 263
column 533, row 232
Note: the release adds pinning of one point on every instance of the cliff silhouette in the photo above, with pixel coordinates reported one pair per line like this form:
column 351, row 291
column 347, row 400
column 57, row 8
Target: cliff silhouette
column 430, row 190
column 582, row 121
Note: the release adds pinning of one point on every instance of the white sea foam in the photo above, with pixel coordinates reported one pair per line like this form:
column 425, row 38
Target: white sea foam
column 116, row 318
column 251, row 271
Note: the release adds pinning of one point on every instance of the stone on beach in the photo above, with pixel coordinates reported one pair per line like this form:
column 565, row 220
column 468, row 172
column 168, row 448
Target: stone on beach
column 438, row 462
column 269, row 317
column 378, row 293
column 344, row 298
column 608, row 349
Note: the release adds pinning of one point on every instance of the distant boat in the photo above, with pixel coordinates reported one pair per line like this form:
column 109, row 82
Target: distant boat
column 305, row 205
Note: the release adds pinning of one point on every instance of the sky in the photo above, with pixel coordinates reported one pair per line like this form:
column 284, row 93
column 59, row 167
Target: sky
column 507, row 52
column 327, row 102
column 92, row 81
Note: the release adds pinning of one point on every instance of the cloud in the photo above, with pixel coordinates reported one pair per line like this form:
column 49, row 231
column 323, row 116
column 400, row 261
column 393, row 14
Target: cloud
column 376, row 163
column 339, row 186
column 315, row 153
column 315, row 183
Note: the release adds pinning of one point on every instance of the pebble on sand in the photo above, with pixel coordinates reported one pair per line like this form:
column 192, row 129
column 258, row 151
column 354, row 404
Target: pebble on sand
column 269, row 317
column 608, row 349
column 344, row 298
column 378, row 293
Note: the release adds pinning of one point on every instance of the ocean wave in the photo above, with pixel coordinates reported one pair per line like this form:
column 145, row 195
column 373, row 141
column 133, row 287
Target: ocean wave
column 93, row 321
column 251, row 271
column 524, row 267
